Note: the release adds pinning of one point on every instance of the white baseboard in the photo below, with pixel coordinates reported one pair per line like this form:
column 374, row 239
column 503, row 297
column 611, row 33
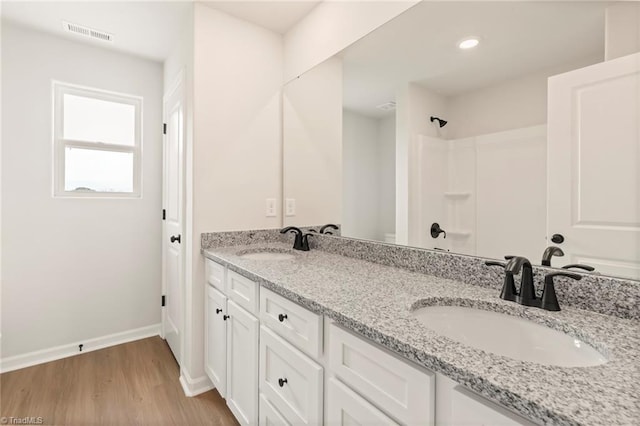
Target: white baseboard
column 64, row 351
column 193, row 387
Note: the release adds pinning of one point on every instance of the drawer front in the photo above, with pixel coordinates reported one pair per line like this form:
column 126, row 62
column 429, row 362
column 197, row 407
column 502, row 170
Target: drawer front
column 345, row 407
column 215, row 275
column 296, row 324
column 406, row 392
column 269, row 415
column 243, row 291
column 470, row 409
column 290, row 380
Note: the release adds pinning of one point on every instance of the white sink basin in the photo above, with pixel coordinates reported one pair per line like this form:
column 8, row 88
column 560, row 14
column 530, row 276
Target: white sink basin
column 267, row 255
column 509, row 336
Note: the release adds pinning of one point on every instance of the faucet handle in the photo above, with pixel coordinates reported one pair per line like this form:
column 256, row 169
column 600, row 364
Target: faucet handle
column 576, row 277
column 579, row 266
column 323, row 230
column 508, row 291
column 549, row 298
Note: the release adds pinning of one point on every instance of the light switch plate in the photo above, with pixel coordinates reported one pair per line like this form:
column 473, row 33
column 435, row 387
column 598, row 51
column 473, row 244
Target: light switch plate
column 290, row 207
column 271, row 207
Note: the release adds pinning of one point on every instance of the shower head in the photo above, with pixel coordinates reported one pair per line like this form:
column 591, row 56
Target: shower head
column 441, row 122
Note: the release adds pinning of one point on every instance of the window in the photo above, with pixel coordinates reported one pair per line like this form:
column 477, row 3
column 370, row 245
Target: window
column 97, row 143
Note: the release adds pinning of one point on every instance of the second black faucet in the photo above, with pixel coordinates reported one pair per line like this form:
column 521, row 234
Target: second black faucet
column 301, row 241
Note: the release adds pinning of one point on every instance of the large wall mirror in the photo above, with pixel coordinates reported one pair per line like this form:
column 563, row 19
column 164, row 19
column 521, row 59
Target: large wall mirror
column 526, row 140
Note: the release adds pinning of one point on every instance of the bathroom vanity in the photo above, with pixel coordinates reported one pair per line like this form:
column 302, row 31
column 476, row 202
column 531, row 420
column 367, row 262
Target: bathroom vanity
column 320, row 338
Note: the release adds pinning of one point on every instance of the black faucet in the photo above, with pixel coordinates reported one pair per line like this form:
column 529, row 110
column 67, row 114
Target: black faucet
column 549, row 252
column 527, row 293
column 301, row 241
column 323, row 230
column 549, row 300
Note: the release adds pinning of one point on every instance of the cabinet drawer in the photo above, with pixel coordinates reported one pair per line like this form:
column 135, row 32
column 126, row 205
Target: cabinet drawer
column 296, row 324
column 269, row 415
column 290, row 380
column 243, row 291
column 406, row 392
column 345, row 407
column 470, row 409
column 215, row 274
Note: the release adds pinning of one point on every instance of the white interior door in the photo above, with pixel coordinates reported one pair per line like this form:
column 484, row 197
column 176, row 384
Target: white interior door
column 173, row 238
column 594, row 165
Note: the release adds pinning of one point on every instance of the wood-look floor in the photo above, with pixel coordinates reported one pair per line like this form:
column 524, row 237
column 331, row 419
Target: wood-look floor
column 131, row 384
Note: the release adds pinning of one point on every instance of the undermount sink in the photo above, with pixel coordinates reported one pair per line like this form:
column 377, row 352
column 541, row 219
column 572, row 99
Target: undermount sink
column 266, row 254
column 509, row 336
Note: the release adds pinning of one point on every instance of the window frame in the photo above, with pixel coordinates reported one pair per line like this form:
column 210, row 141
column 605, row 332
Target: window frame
column 60, row 143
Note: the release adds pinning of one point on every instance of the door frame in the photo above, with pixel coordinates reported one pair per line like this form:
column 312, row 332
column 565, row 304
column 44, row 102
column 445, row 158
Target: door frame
column 178, row 86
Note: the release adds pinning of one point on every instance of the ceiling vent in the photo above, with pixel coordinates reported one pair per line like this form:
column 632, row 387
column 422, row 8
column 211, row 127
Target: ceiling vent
column 387, row 106
column 87, row 32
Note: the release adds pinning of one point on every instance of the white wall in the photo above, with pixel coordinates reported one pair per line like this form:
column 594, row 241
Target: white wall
column 512, row 104
column 368, row 170
column 312, row 122
column 73, row 269
column 387, row 174
column 622, row 29
column 330, row 27
column 236, row 143
column 360, row 180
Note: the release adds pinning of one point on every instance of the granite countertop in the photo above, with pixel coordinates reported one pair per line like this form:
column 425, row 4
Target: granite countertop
column 376, row 301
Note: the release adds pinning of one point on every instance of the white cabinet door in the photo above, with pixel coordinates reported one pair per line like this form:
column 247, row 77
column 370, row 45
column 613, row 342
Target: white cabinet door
column 470, row 409
column 405, row 392
column 594, row 165
column 290, row 380
column 215, row 347
column 345, row 407
column 242, row 364
column 269, row 416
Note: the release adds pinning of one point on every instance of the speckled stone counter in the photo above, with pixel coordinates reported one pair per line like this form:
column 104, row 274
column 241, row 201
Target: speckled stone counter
column 376, row 301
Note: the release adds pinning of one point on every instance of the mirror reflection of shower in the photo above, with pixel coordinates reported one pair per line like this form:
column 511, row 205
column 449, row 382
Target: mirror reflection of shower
column 440, row 121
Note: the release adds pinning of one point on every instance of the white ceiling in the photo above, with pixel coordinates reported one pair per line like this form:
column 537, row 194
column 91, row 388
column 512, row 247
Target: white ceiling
column 146, row 29
column 277, row 16
column 517, row 38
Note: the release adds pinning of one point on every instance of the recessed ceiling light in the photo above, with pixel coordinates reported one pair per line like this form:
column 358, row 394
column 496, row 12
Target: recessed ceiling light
column 469, row 43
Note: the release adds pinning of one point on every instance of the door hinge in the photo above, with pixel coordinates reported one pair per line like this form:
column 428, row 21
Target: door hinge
column 164, row 214
column 164, row 128
column 164, row 300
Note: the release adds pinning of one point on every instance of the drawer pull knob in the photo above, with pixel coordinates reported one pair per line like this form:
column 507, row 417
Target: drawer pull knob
column 281, row 382
column 218, row 310
column 282, row 317
column 224, row 317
